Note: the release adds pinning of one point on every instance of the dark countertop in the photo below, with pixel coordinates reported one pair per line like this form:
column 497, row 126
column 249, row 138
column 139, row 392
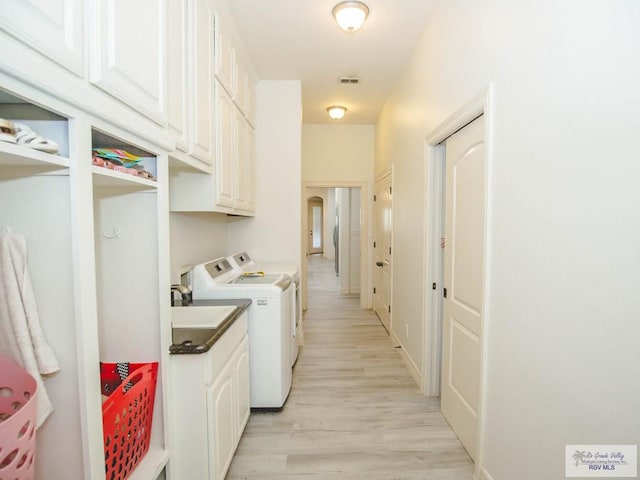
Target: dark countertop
column 200, row 340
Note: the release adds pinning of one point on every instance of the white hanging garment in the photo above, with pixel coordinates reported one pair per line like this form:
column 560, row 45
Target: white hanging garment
column 21, row 335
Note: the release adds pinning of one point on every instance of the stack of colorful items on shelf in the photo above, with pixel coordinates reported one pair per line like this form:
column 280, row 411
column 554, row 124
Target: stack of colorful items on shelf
column 120, row 161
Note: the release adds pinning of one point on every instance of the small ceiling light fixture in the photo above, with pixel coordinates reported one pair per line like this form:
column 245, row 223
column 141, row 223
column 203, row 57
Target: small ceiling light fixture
column 336, row 111
column 350, row 15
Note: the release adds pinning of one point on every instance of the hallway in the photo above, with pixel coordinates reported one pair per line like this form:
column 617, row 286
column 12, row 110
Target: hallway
column 354, row 411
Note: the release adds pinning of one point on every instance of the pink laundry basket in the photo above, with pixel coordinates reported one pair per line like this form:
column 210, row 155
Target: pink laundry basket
column 17, row 422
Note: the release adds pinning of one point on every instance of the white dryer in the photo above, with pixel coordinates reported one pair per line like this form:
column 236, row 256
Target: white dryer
column 243, row 263
column 270, row 323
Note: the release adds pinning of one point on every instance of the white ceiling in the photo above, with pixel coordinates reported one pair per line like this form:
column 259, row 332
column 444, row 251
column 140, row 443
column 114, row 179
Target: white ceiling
column 299, row 40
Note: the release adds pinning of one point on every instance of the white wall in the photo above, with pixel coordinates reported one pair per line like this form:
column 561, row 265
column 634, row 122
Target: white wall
column 337, row 153
column 563, row 356
column 196, row 238
column 274, row 234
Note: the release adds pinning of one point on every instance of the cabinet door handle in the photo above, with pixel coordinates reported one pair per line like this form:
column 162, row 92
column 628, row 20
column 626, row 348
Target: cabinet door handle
column 380, row 264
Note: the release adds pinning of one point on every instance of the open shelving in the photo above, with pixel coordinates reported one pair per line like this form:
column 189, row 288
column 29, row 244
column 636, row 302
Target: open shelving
column 103, row 177
column 127, row 216
column 98, row 259
column 35, row 194
column 12, row 155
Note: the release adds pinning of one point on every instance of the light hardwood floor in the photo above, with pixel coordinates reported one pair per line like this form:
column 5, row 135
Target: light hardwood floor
column 354, row 411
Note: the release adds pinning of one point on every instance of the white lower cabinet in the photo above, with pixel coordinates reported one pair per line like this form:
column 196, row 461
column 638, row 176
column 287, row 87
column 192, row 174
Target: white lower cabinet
column 242, row 386
column 210, row 392
column 221, row 421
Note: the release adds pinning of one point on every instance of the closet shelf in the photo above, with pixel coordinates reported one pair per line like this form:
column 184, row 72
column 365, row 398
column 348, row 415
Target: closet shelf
column 151, row 464
column 104, row 177
column 20, row 156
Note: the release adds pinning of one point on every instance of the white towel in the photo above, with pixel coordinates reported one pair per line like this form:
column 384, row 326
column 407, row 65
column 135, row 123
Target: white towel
column 21, row 336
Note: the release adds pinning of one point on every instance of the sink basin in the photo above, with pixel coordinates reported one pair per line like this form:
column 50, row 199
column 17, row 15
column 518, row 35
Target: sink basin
column 209, row 316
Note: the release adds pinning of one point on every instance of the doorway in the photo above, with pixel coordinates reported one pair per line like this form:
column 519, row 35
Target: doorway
column 345, row 235
column 315, row 214
column 457, row 219
column 382, row 249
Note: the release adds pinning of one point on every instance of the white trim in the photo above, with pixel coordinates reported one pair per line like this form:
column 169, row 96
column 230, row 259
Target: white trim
column 464, row 115
column 481, row 104
column 489, row 129
column 408, row 361
column 432, row 304
column 484, row 475
column 385, row 173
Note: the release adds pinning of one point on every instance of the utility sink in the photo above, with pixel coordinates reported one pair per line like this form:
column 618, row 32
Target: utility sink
column 205, row 316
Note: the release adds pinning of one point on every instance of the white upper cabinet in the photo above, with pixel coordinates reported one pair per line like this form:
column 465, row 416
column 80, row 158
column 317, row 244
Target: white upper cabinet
column 244, row 174
column 218, row 125
column 200, row 49
column 51, row 27
column 128, row 61
column 177, row 74
column 226, row 151
column 251, row 103
column 241, row 86
column 225, row 57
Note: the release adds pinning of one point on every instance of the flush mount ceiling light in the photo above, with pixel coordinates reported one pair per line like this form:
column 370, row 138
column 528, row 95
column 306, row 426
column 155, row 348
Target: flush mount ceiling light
column 336, row 111
column 350, row 15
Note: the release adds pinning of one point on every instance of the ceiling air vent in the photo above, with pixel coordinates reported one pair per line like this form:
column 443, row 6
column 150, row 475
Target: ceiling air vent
column 349, row 80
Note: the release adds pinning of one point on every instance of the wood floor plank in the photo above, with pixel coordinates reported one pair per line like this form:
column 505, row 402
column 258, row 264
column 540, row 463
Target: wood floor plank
column 354, row 412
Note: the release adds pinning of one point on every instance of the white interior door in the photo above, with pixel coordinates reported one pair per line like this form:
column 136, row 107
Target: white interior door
column 463, row 281
column 382, row 251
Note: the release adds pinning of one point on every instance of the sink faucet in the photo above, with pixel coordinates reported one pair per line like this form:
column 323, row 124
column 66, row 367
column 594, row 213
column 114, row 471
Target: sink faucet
column 183, row 294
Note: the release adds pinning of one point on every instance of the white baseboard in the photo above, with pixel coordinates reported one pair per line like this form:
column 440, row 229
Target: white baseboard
column 395, row 341
column 484, row 475
column 414, row 371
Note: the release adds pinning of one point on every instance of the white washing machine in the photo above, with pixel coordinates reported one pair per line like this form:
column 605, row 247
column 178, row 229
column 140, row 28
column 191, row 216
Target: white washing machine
column 243, row 263
column 269, row 324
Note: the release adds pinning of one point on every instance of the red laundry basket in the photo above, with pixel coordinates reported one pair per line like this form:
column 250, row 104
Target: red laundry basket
column 17, row 422
column 126, row 416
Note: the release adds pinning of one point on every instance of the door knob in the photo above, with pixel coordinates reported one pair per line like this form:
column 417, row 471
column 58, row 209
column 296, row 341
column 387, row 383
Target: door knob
column 380, row 264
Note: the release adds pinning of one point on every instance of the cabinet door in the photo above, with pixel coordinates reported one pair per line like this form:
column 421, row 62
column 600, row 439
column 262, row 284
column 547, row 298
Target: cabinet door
column 241, row 84
column 244, row 194
column 177, row 98
column 201, row 58
column 224, row 54
column 251, row 102
column 226, row 150
column 128, row 53
column 250, row 168
column 51, row 27
column 243, row 393
column 221, row 413
column 241, row 183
